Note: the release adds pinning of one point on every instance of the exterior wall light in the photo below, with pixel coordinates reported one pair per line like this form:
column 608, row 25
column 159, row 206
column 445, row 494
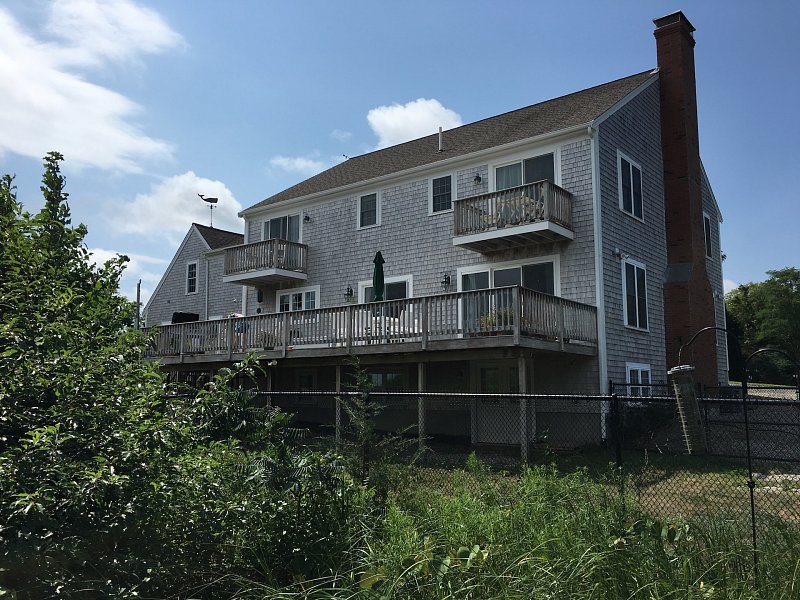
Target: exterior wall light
column 445, row 281
column 348, row 294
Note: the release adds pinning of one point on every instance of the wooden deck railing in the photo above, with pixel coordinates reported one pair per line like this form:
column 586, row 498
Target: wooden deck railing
column 531, row 203
column 269, row 254
column 511, row 311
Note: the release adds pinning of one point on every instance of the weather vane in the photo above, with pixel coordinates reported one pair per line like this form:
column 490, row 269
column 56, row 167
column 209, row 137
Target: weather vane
column 211, row 203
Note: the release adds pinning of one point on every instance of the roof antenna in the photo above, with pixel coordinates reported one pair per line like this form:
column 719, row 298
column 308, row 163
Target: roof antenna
column 211, row 203
column 440, row 139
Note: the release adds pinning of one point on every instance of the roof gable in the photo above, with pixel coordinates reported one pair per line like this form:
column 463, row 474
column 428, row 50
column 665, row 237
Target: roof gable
column 532, row 121
column 218, row 238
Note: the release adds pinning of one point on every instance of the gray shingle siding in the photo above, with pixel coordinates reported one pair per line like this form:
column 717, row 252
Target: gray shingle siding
column 171, row 295
column 714, row 269
column 416, row 243
column 635, row 130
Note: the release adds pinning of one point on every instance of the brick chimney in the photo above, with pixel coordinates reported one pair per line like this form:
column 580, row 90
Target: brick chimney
column 688, row 296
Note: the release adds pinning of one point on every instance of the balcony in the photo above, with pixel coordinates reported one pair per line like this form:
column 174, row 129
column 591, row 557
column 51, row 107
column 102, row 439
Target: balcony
column 266, row 262
column 494, row 318
column 529, row 214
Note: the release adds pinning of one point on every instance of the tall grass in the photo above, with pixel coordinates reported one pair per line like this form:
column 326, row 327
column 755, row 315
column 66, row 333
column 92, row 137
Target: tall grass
column 547, row 534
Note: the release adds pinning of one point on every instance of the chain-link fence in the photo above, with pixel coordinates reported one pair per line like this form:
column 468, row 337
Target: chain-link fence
column 747, row 472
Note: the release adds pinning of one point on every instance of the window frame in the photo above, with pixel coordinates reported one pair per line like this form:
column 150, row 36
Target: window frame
column 196, row 278
column 633, row 164
column 363, row 285
column 452, row 177
column 377, row 223
column 292, row 291
column 499, row 266
column 638, row 385
column 639, row 266
column 266, row 222
column 519, row 159
column 708, row 238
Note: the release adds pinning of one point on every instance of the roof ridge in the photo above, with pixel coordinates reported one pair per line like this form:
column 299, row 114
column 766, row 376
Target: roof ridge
column 526, row 122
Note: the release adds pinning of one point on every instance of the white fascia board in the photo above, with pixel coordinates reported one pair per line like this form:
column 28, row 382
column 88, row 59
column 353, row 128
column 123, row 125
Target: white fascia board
column 711, row 190
column 434, row 167
column 627, row 98
column 192, row 229
column 599, row 287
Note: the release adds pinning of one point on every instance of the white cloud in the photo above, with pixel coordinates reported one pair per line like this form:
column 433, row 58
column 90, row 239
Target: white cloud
column 728, row 285
column 298, row 164
column 48, row 104
column 138, row 267
column 403, row 122
column 109, row 30
column 340, row 135
column 172, row 205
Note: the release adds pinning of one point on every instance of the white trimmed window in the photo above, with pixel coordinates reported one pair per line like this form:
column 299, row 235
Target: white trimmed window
column 369, row 211
column 286, row 228
column 637, row 376
column 395, row 288
column 629, row 182
column 297, row 299
column 191, row 277
column 441, row 194
column 707, row 233
column 634, row 294
column 541, row 276
column 529, row 170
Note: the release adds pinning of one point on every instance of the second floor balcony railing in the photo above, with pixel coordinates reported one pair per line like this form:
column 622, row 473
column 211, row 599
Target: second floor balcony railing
column 537, row 209
column 498, row 316
column 263, row 256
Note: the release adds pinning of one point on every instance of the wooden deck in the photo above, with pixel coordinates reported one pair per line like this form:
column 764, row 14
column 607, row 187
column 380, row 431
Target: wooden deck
column 495, row 318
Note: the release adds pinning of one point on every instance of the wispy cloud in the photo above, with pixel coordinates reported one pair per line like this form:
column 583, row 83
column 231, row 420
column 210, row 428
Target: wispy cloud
column 172, row 205
column 298, row 164
column 403, row 122
column 48, row 102
column 728, row 285
column 146, row 268
column 340, row 135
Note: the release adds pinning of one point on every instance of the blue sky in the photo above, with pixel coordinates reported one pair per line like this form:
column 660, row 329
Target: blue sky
column 154, row 102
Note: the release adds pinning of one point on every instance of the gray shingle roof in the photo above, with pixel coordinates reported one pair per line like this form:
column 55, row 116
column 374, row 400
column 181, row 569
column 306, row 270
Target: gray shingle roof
column 531, row 121
column 219, row 238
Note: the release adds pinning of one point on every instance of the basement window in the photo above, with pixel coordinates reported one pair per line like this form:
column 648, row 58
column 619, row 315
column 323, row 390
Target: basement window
column 637, row 376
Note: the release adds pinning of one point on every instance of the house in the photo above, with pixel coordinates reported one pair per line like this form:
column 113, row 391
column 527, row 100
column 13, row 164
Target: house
column 550, row 249
column 192, row 289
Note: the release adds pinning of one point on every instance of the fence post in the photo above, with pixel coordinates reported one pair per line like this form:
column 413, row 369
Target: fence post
column 616, row 416
column 338, row 405
column 751, row 484
column 421, row 405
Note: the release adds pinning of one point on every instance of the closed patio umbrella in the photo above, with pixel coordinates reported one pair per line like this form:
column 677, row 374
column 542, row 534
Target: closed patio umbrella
column 377, row 277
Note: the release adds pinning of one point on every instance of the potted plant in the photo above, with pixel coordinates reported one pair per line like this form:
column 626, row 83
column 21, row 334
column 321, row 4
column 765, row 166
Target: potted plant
column 497, row 321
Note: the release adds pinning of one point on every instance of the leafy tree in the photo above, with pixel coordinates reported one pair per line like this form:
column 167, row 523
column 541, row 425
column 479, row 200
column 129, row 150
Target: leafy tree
column 766, row 314
column 112, row 484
